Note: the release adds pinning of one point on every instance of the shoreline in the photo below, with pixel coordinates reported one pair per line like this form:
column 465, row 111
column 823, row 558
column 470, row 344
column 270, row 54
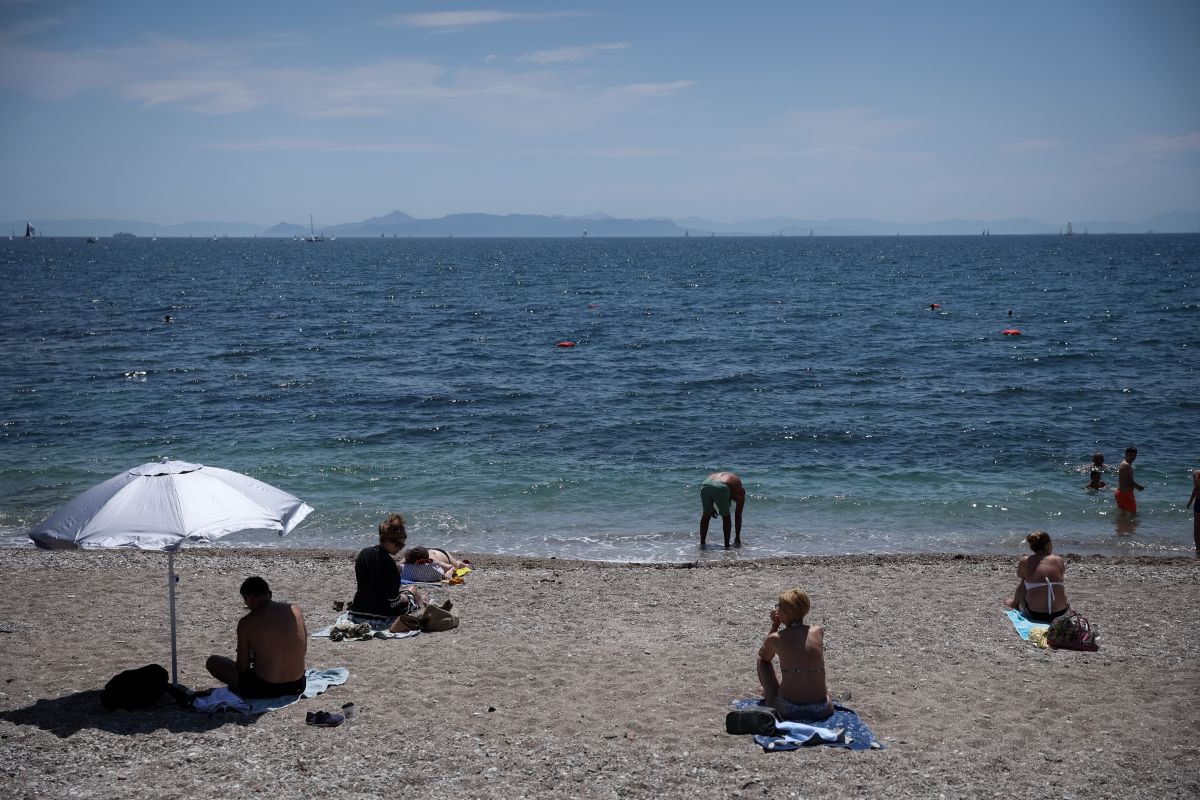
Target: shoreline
column 599, row 679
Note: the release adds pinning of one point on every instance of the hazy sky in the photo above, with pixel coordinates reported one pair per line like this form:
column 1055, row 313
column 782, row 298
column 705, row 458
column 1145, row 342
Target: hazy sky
column 905, row 111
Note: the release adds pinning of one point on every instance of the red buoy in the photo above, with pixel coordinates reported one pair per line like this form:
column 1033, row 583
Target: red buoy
column 934, row 306
column 565, row 344
column 1011, row 332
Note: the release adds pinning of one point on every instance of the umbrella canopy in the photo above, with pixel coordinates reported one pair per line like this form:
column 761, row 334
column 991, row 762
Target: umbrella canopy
column 162, row 505
column 159, row 506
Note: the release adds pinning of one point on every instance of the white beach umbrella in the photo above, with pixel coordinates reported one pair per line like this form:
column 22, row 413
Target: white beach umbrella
column 163, row 505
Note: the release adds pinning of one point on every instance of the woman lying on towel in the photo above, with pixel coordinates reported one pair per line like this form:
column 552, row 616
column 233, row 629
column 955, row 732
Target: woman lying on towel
column 1041, row 595
column 430, row 565
column 800, row 694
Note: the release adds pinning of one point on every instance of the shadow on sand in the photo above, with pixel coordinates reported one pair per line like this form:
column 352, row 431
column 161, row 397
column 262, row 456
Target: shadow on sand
column 66, row 716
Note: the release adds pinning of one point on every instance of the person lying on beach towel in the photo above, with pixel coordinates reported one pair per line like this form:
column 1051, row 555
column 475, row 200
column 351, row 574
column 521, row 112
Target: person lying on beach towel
column 1041, row 595
column 431, row 565
column 800, row 694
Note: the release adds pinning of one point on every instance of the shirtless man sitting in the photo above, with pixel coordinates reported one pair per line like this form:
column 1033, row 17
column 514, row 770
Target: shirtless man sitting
column 271, row 643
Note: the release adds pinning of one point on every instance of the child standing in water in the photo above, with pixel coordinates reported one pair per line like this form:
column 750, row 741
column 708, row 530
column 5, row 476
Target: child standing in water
column 1095, row 482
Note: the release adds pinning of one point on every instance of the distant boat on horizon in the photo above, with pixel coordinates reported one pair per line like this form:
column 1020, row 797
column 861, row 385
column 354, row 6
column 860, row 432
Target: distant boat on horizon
column 1070, row 232
column 29, row 231
column 312, row 237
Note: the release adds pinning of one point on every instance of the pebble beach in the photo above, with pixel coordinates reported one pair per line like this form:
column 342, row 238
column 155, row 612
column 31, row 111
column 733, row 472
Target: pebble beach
column 603, row 680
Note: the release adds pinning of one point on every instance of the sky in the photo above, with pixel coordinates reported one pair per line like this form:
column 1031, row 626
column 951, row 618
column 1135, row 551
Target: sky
column 261, row 111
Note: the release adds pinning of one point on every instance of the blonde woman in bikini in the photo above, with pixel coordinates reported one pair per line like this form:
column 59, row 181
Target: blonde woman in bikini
column 799, row 693
column 1041, row 595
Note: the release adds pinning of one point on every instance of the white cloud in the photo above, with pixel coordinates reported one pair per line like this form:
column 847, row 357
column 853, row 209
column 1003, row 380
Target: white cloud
column 201, row 95
column 565, row 54
column 1032, row 146
column 324, row 146
column 1166, row 145
column 651, row 89
column 466, row 19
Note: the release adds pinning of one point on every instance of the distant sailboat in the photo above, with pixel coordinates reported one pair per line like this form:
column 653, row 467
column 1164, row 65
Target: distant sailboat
column 1070, row 232
column 29, row 230
column 312, row 237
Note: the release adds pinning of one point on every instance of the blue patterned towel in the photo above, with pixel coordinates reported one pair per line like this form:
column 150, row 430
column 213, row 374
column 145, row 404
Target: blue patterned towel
column 842, row 729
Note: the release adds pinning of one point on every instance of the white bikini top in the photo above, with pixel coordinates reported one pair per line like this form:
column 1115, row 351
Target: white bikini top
column 1049, row 584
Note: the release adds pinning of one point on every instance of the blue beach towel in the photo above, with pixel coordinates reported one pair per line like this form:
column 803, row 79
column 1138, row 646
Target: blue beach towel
column 842, row 729
column 317, row 681
column 1024, row 625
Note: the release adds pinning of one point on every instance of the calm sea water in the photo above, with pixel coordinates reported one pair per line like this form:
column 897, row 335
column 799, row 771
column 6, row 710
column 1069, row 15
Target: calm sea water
column 422, row 376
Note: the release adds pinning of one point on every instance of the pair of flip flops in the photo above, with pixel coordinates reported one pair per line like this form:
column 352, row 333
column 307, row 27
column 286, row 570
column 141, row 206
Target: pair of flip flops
column 323, row 719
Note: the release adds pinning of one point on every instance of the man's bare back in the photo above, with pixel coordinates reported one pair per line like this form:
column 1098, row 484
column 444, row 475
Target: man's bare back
column 272, row 639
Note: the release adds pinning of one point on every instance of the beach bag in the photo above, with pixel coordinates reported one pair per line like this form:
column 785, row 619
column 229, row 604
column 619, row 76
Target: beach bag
column 755, row 719
column 435, row 618
column 135, row 688
column 1072, row 631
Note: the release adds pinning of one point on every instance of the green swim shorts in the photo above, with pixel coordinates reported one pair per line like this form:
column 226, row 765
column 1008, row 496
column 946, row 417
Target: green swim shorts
column 714, row 497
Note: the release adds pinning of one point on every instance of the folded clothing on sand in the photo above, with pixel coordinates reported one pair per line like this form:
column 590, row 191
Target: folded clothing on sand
column 361, row 626
column 316, row 682
column 842, row 729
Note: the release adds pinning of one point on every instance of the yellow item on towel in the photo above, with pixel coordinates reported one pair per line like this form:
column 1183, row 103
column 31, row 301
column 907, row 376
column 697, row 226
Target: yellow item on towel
column 1037, row 635
column 458, row 573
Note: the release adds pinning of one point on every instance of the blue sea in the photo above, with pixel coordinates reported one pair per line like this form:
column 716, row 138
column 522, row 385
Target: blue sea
column 423, row 376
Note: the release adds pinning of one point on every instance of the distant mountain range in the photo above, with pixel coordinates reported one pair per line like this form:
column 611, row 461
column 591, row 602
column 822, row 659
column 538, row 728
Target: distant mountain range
column 399, row 224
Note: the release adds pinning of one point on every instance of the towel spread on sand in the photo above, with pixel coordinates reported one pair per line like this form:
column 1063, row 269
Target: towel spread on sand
column 222, row 699
column 841, row 729
column 349, row 625
column 1028, row 630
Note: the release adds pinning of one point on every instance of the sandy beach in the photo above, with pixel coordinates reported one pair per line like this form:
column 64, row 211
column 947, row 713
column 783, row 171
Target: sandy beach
column 600, row 680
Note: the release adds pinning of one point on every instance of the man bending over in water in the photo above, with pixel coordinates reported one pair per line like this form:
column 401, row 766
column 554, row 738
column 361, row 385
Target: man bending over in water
column 715, row 495
column 271, row 643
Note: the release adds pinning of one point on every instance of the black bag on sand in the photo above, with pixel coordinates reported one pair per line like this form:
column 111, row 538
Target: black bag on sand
column 750, row 720
column 135, row 688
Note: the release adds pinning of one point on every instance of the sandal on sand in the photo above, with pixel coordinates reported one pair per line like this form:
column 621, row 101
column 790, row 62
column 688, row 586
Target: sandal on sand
column 323, row 719
column 750, row 720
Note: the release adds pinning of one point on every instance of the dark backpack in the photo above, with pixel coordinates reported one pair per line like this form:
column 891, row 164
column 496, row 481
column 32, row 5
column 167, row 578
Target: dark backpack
column 135, row 688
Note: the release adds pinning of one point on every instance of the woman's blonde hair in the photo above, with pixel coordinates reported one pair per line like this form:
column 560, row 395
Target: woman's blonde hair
column 796, row 603
column 1038, row 541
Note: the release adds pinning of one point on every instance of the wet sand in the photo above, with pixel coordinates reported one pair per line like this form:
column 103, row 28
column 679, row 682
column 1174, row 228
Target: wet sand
column 597, row 680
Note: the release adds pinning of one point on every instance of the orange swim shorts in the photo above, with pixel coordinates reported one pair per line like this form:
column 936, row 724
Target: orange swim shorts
column 1126, row 501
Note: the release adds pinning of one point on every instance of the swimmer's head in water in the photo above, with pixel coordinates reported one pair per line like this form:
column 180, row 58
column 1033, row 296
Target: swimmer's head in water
column 1098, row 458
column 1130, row 453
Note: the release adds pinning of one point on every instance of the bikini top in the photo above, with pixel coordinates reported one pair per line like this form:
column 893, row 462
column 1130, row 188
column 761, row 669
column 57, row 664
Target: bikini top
column 1049, row 585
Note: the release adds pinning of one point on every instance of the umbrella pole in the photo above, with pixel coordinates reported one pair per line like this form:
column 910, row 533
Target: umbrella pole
column 171, row 594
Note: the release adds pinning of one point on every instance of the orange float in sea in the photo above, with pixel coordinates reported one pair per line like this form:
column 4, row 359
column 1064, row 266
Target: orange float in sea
column 934, row 306
column 565, row 344
column 1011, row 332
